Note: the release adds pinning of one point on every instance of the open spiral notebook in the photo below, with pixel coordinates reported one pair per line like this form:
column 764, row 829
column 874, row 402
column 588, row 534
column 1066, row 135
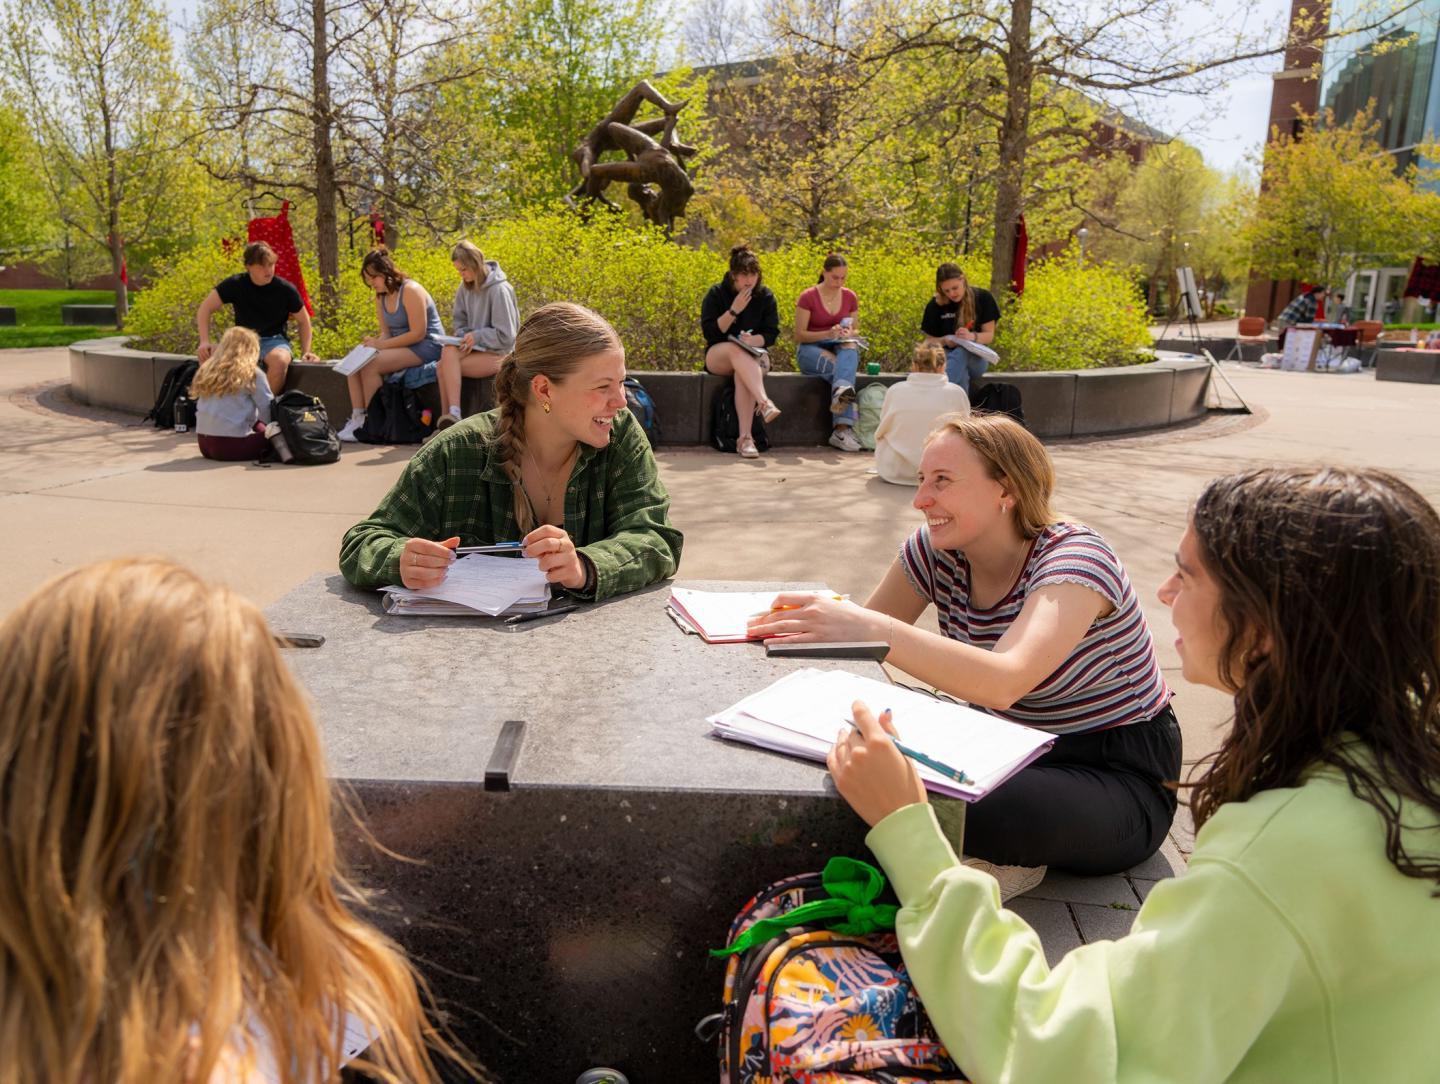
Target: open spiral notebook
column 804, row 712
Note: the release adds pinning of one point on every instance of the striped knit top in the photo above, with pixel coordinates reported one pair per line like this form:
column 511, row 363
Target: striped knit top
column 1112, row 676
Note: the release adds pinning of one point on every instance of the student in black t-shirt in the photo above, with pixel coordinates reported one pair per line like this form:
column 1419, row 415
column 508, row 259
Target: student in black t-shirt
column 957, row 312
column 265, row 304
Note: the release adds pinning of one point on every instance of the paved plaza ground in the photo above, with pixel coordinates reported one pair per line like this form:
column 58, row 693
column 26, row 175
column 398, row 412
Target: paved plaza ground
column 78, row 485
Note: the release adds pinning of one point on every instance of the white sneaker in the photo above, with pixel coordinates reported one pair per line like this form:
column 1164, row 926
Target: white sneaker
column 1014, row 880
column 845, row 440
column 347, row 432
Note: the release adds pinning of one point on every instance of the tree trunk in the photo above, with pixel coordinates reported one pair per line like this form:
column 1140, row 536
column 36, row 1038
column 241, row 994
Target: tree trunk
column 327, row 238
column 1014, row 141
column 112, row 199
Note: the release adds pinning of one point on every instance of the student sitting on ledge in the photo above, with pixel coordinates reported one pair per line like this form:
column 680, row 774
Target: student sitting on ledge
column 1038, row 624
column 173, row 906
column 740, row 306
column 910, row 412
column 1303, row 942
column 559, row 464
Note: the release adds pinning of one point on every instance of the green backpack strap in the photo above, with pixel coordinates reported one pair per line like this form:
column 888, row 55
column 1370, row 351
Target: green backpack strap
column 853, row 886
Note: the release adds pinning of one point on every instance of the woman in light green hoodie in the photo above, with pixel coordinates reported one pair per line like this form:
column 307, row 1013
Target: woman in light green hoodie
column 1303, row 942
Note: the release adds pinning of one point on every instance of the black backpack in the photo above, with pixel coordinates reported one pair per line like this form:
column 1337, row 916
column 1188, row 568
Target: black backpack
column 306, row 428
column 996, row 398
column 397, row 415
column 175, row 384
column 725, row 422
column 638, row 400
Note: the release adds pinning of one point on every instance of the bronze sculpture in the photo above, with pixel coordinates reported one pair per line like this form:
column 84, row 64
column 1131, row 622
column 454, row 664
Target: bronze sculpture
column 653, row 172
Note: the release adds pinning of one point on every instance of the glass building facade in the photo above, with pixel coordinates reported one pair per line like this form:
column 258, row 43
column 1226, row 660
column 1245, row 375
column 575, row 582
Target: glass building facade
column 1390, row 70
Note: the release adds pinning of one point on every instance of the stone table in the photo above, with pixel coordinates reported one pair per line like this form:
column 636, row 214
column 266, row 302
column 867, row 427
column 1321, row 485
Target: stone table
column 562, row 923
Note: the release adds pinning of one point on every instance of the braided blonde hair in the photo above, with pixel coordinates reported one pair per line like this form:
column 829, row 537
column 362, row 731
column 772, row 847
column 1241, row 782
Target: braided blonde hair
column 552, row 342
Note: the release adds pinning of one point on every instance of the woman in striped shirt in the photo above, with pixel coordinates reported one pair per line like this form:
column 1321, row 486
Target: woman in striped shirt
column 1039, row 624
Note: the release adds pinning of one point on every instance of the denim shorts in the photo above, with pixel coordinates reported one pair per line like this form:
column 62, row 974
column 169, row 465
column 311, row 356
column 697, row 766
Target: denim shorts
column 425, row 350
column 270, row 342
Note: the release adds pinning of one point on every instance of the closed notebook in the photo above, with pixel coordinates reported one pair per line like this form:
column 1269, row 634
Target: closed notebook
column 356, row 360
column 803, row 712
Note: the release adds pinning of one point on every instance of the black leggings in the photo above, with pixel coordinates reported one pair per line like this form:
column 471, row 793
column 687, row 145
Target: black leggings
column 1093, row 804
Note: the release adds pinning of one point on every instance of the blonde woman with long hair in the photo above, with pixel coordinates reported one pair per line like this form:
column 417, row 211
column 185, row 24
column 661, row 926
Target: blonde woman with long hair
column 485, row 317
column 172, row 906
column 232, row 399
column 559, row 465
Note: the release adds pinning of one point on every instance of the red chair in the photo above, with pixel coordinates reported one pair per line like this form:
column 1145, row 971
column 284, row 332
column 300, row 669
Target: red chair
column 1251, row 331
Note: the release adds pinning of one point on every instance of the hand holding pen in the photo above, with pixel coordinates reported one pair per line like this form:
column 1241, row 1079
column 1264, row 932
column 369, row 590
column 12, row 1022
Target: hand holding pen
column 800, row 618
column 869, row 770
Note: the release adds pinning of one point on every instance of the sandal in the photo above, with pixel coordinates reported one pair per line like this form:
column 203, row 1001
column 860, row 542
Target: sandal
column 767, row 410
column 746, row 448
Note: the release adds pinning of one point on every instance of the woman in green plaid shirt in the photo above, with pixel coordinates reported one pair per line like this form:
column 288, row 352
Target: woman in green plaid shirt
column 559, row 464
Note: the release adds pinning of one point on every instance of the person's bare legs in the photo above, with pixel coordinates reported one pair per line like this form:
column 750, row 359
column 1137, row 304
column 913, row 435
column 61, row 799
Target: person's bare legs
column 364, row 384
column 277, row 364
column 453, row 366
column 727, row 359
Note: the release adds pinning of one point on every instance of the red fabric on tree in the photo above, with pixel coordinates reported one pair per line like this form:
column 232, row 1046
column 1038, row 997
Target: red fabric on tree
column 1022, row 250
column 275, row 232
column 1424, row 280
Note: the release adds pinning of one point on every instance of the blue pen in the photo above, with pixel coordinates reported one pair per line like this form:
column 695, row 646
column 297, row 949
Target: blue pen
column 500, row 548
column 930, row 762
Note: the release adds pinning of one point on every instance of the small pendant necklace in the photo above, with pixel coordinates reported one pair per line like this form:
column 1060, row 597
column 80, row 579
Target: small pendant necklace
column 544, row 479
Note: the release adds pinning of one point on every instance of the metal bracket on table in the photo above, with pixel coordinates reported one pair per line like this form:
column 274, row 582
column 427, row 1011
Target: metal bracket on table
column 504, row 755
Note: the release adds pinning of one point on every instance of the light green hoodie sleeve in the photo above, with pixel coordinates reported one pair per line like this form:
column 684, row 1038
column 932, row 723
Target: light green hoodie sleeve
column 1207, row 965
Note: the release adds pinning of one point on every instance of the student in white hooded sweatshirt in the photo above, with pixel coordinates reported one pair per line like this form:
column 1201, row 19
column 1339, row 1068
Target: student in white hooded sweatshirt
column 485, row 317
column 910, row 412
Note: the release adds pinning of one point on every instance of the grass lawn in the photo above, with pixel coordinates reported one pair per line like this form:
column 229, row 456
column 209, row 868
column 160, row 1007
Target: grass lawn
column 37, row 315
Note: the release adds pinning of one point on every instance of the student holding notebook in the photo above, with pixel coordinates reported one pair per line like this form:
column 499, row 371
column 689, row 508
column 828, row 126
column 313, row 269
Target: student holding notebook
column 1039, row 624
column 1303, row 942
column 559, row 464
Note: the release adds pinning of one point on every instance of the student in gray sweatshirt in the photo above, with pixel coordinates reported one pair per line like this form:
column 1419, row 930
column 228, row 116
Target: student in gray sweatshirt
column 485, row 318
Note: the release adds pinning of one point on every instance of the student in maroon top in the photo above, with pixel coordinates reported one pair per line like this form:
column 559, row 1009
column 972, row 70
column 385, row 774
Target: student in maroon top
column 825, row 328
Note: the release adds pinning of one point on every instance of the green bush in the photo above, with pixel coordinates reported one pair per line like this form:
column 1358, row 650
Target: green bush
column 651, row 289
column 1074, row 316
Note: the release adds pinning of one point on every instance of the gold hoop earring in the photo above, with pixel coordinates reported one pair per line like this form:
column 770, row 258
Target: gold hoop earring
column 545, row 407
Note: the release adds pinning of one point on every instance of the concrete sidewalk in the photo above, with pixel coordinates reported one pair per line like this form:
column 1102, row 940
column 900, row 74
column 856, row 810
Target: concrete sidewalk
column 78, row 485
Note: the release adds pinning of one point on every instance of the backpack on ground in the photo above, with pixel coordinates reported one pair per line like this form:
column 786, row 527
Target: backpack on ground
column 638, row 400
column 870, row 402
column 305, row 427
column 175, row 384
column 725, row 422
column 999, row 398
column 816, row 990
column 398, row 415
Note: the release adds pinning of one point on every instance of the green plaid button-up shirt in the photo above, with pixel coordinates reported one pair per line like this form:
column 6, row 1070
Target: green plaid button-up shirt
column 616, row 507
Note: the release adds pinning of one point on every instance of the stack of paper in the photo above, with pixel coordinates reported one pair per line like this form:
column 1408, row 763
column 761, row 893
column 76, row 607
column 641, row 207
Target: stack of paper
column 721, row 617
column 477, row 584
column 803, row 712
column 980, row 350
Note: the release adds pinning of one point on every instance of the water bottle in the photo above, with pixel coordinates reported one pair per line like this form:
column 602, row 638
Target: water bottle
column 278, row 442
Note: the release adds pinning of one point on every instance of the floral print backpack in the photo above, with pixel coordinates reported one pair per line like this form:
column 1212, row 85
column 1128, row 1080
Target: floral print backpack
column 816, row 991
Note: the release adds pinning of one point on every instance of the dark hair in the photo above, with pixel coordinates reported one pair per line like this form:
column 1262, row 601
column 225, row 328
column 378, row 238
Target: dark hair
column 378, row 261
column 832, row 261
column 965, row 315
column 1329, row 584
column 258, row 252
column 743, row 262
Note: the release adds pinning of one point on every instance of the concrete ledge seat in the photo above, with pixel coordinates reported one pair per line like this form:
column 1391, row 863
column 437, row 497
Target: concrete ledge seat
column 86, row 315
column 1087, row 402
column 1408, row 366
column 7, row 316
